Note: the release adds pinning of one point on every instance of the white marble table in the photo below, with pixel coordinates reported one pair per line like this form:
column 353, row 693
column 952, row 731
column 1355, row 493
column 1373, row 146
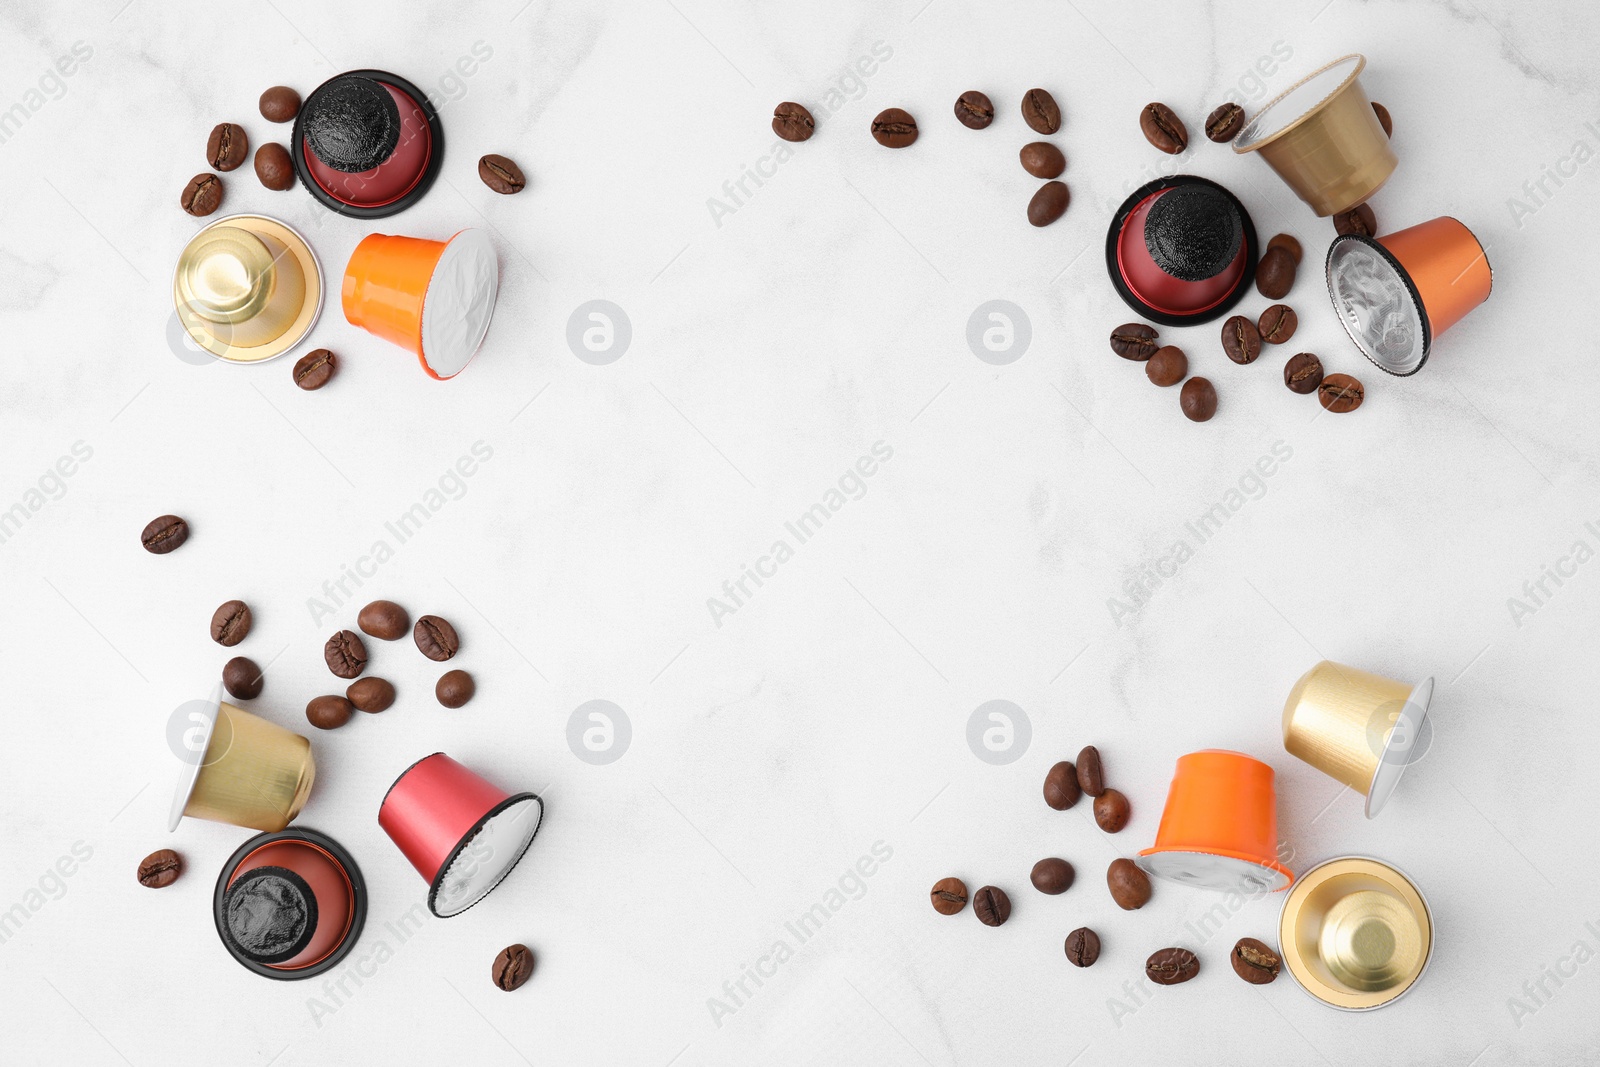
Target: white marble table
column 776, row 339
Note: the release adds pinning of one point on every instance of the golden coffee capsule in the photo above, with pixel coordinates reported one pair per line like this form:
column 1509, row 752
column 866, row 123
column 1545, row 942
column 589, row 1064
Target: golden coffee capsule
column 241, row 769
column 247, row 288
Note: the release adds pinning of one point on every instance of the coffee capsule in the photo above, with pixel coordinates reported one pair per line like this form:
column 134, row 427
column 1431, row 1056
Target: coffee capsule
column 1181, row 250
column 1219, row 829
column 462, row 833
column 289, row 905
column 1395, row 295
column 1355, row 933
column 367, row 144
column 247, row 288
column 432, row 298
column 1323, row 138
column 240, row 769
column 1359, row 728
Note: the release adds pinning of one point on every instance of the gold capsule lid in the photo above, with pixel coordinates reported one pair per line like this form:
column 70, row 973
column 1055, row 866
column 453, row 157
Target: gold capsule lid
column 247, row 288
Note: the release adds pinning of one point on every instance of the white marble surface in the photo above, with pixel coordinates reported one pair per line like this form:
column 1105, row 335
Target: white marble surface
column 772, row 345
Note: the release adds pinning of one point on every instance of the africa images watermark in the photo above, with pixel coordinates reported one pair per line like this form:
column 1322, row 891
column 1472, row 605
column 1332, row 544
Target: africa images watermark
column 51, row 85
column 1542, row 588
column 51, row 885
column 1539, row 191
column 48, row 488
column 1542, row 989
column 337, row 988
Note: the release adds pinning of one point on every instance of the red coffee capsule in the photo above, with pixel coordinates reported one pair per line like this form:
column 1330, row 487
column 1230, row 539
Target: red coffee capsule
column 1181, row 250
column 290, row 905
column 367, row 144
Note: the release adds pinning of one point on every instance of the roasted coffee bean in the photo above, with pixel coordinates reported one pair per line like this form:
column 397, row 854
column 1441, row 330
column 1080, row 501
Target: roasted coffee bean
column 329, row 712
column 1091, row 775
column 345, row 655
column 1303, row 373
column 1163, row 128
column 242, row 678
column 1111, row 811
column 1129, row 885
column 436, row 638
column 1277, row 324
column 1061, row 789
column 163, row 535
column 1040, row 112
column 1170, row 966
column 512, row 967
column 894, row 128
column 1083, row 947
column 454, row 688
column 1275, row 273
column 202, row 195
column 1049, row 203
column 385, row 620
column 274, row 167
column 315, row 369
column 1241, row 340
column 1254, row 962
column 793, row 122
column 1168, row 366
column 231, row 623
column 991, row 905
column 949, row 895
column 1340, row 393
column 1383, row 118
column 1358, row 220
column 279, row 104
column 371, row 695
column 975, row 112
column 1052, row 876
column 1042, row 159
column 1198, row 400
column 1134, row 340
column 1224, row 124
column 502, row 175
column 160, row 869
column 227, row 147
column 1288, row 244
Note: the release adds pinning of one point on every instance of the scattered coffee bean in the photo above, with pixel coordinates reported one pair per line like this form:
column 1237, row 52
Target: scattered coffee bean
column 242, row 678
column 1040, row 111
column 454, row 688
column 1061, row 789
column 1163, row 129
column 279, row 104
column 1254, row 962
column 1083, row 947
column 1383, row 118
column 1288, row 244
column 163, row 535
column 894, row 128
column 315, row 369
column 1042, row 159
column 793, row 122
column 1358, row 220
column 512, row 967
column 436, row 638
column 949, row 895
column 384, row 619
column 231, row 623
column 1224, row 124
column 227, row 147
column 1111, row 811
column 1168, row 366
column 1091, row 775
column 345, row 655
column 1049, row 203
column 1134, row 340
column 1198, row 400
column 974, row 111
column 1277, row 324
column 501, row 174
column 1303, row 373
column 1340, row 393
column 371, row 695
column 1052, row 876
column 991, row 905
column 202, row 195
column 160, row 869
column 329, row 712
column 1170, row 966
column 1275, row 273
column 1129, row 885
column 1241, row 340
column 274, row 167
